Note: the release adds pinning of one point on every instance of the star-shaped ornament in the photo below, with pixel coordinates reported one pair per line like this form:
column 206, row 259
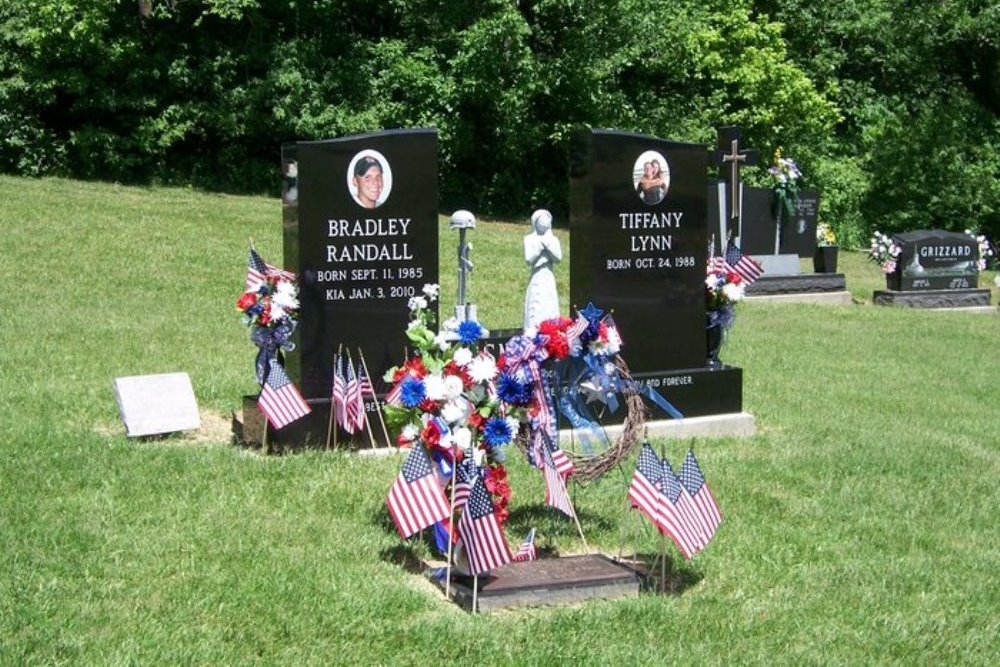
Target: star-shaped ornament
column 592, row 313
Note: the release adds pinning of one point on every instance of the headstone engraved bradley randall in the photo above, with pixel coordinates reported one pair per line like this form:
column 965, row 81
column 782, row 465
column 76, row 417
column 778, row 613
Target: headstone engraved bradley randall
column 361, row 232
column 643, row 255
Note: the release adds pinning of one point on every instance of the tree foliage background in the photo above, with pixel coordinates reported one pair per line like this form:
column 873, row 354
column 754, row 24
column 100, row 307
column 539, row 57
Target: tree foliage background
column 890, row 106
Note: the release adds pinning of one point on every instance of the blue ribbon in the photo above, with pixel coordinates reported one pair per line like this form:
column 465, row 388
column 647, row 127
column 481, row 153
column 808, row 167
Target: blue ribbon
column 271, row 341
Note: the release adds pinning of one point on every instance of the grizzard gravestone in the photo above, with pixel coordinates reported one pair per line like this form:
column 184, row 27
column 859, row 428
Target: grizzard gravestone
column 361, row 231
column 936, row 269
column 638, row 246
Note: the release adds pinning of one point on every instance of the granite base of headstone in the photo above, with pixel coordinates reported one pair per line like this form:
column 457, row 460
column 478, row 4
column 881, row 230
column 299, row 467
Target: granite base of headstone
column 309, row 432
column 950, row 298
column 543, row 582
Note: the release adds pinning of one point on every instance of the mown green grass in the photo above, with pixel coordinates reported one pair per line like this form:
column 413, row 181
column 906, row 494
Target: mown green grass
column 860, row 519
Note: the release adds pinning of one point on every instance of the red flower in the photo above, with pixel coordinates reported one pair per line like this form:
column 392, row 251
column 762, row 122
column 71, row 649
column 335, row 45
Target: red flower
column 451, row 368
column 246, row 301
column 476, row 420
column 427, row 405
column 733, row 278
column 415, row 367
column 431, row 436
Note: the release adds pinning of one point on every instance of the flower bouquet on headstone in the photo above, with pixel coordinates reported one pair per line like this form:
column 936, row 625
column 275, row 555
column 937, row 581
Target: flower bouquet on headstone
column 785, row 174
column 884, row 252
column 985, row 249
column 270, row 307
column 724, row 288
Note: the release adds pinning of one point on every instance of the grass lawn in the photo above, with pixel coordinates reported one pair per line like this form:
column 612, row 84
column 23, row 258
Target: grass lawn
column 860, row 521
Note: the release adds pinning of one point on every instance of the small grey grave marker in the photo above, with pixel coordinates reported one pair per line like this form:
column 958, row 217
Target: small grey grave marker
column 155, row 404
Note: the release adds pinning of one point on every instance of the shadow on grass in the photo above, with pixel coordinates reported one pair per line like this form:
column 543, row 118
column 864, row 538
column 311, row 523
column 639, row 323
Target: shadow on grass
column 405, row 556
column 651, row 581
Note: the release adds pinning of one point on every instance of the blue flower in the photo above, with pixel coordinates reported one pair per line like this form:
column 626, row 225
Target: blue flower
column 513, row 392
column 412, row 392
column 497, row 432
column 469, row 331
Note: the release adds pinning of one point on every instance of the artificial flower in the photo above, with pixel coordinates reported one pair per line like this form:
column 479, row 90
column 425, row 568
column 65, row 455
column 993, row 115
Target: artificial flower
column 469, row 332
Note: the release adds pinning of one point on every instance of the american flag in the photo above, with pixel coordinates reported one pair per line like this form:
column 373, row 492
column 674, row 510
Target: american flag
column 354, row 419
column 416, row 500
column 689, row 523
column 393, row 397
column 258, row 270
column 527, row 550
column 694, row 482
column 556, row 494
column 480, row 532
column 576, row 330
column 746, row 267
column 646, row 494
column 279, row 400
column 465, row 475
column 338, row 396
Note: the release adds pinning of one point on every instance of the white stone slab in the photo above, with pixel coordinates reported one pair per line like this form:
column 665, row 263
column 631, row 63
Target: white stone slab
column 155, row 404
column 842, row 298
column 734, row 424
column 779, row 265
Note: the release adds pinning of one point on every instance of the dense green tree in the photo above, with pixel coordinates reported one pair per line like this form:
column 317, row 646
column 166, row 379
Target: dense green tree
column 890, row 106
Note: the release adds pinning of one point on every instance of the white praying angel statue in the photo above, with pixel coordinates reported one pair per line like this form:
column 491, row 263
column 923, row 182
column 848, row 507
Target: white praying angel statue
column 541, row 252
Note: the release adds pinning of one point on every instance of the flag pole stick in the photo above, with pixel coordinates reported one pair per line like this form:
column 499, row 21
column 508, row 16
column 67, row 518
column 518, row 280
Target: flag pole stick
column 264, row 444
column 368, row 424
column 663, row 563
column 451, row 528
column 378, row 406
column 579, row 528
column 330, row 430
column 475, row 594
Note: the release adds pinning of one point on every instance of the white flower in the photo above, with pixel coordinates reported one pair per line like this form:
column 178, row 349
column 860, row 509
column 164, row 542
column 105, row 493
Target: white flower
column 450, row 324
column 410, row 432
column 453, row 386
column 463, row 356
column 733, row 292
column 614, row 341
column 434, row 387
column 478, row 455
column 456, row 411
column 414, row 324
column 285, row 296
column 483, row 368
column 514, row 424
column 417, row 303
column 431, row 291
column 463, row 438
column 277, row 312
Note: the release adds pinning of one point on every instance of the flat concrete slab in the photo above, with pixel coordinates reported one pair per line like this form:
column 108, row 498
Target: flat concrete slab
column 842, row 298
column 543, row 582
column 734, row 424
column 156, row 404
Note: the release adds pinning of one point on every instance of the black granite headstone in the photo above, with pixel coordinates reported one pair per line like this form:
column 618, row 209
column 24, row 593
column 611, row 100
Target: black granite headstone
column 644, row 257
column 798, row 233
column 935, row 260
column 361, row 231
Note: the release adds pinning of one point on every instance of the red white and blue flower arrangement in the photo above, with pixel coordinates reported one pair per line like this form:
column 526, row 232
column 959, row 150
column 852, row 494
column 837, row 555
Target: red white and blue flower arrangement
column 270, row 307
column 457, row 408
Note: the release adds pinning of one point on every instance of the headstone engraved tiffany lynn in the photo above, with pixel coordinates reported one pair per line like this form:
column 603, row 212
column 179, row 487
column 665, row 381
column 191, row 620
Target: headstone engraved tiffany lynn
column 644, row 257
column 361, row 231
column 935, row 269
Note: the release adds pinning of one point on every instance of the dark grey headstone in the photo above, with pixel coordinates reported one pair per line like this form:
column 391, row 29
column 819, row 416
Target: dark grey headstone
column 798, row 233
column 358, row 266
column 935, row 260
